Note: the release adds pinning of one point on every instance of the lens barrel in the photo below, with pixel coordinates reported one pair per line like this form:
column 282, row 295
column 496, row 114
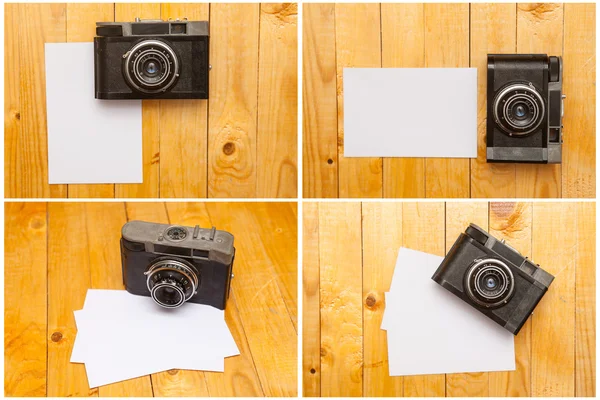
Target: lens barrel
column 171, row 282
column 151, row 66
column 489, row 283
column 519, row 109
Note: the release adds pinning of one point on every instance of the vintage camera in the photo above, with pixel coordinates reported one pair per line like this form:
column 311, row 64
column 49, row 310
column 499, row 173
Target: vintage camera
column 493, row 277
column 151, row 59
column 175, row 264
column 525, row 108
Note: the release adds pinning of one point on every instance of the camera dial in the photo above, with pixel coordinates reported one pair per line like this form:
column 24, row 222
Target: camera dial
column 151, row 66
column 519, row 109
column 176, row 233
column 171, row 282
column 489, row 283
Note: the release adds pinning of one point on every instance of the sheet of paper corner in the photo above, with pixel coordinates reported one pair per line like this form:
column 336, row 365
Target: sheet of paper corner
column 89, row 140
column 457, row 320
column 410, row 112
column 99, row 353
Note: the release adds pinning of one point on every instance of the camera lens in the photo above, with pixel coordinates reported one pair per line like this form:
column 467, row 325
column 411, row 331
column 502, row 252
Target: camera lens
column 167, row 295
column 518, row 109
column 489, row 283
column 151, row 66
column 171, row 281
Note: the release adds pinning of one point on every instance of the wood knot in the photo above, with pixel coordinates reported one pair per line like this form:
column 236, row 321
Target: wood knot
column 330, row 161
column 18, row 116
column 371, row 301
column 228, row 148
column 173, row 371
column 36, row 223
column 313, row 371
column 56, row 337
column 323, row 352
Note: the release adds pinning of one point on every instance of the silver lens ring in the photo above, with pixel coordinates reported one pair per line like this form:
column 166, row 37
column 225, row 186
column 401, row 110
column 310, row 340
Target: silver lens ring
column 489, row 266
column 169, row 285
column 145, row 56
column 158, row 49
column 509, row 96
column 170, row 265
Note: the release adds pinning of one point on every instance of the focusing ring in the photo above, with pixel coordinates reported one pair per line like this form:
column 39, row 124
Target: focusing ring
column 171, row 285
column 511, row 95
column 161, row 51
column 171, row 264
column 490, row 266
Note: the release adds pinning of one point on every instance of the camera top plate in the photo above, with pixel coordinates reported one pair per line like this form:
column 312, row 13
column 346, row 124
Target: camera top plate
column 213, row 244
column 153, row 27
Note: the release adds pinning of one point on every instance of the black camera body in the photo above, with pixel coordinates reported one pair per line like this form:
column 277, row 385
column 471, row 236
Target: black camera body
column 524, row 108
column 493, row 277
column 176, row 264
column 151, row 59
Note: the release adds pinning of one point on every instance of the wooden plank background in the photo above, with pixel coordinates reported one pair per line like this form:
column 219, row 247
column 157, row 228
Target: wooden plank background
column 59, row 250
column 239, row 143
column 350, row 251
column 444, row 35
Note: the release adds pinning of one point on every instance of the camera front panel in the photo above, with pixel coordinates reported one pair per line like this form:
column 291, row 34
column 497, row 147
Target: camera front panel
column 179, row 65
column 510, row 311
column 213, row 277
column 517, row 108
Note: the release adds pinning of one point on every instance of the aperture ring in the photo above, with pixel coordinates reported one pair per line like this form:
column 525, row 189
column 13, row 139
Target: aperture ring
column 480, row 266
column 168, row 265
column 131, row 60
column 522, row 92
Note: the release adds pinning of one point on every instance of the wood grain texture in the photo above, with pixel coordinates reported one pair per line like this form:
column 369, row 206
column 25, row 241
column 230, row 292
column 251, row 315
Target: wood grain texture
column 452, row 35
column 37, row 24
column 493, row 31
column 579, row 148
column 74, row 253
column 539, row 30
column 555, row 349
column 12, row 99
column 513, row 223
column 68, row 280
column 381, row 239
column 458, row 217
column 403, row 46
column 256, row 289
column 233, row 111
column 311, row 332
column 187, row 151
column 358, row 44
column 278, row 100
column 340, row 297
column 25, row 368
column 319, row 93
column 554, row 246
column 585, row 302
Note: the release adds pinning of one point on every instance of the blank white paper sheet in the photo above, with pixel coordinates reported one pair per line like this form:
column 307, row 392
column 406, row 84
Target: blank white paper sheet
column 431, row 331
column 89, row 140
column 121, row 336
column 410, row 112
